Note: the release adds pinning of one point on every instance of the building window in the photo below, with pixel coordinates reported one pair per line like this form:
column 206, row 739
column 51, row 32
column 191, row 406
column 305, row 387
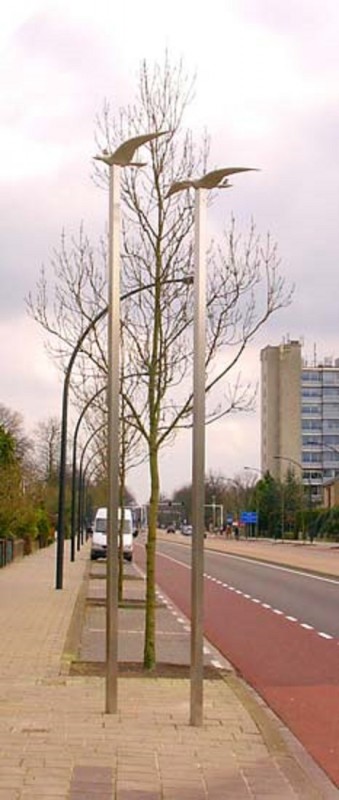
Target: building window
column 313, row 391
column 331, row 377
column 311, row 424
column 331, row 424
column 309, row 375
column 315, row 410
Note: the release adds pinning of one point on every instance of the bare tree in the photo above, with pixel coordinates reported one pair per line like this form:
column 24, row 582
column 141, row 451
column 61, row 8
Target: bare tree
column 46, row 439
column 244, row 290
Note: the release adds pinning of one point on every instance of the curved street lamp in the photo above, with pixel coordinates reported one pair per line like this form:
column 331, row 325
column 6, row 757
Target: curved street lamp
column 217, row 179
column 63, row 449
column 81, row 473
column 74, row 472
column 64, row 421
column 255, row 469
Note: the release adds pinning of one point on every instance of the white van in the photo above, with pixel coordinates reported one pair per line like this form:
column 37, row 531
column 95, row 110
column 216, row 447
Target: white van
column 99, row 537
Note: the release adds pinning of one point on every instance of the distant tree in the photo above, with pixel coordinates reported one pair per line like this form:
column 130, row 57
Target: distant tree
column 7, row 448
column 46, row 441
column 12, row 424
column 22, row 510
column 294, row 503
column 268, row 497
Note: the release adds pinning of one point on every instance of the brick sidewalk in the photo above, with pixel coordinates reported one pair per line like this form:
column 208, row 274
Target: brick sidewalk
column 57, row 742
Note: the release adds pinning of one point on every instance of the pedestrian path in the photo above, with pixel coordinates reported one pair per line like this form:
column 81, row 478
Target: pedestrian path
column 57, row 742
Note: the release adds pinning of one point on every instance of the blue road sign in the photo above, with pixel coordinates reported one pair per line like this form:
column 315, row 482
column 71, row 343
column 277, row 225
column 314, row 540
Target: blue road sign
column 249, row 517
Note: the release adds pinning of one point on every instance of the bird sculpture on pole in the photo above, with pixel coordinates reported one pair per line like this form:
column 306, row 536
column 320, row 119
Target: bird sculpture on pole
column 123, row 155
column 217, row 179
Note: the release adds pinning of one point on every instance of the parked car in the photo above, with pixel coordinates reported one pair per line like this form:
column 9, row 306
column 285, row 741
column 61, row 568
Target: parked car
column 171, row 528
column 187, row 530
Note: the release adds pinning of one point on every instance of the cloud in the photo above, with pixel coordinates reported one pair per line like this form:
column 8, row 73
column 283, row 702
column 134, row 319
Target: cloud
column 29, row 382
column 267, row 91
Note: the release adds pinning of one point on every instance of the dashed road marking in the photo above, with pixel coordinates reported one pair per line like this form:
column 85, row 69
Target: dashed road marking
column 216, row 664
column 268, row 607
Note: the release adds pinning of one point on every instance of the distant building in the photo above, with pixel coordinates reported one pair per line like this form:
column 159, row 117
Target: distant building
column 299, row 416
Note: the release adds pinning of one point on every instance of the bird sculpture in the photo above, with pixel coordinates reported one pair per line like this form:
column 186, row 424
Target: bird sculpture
column 123, row 155
column 211, row 180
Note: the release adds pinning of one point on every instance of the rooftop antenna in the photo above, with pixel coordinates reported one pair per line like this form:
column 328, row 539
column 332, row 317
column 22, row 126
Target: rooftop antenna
column 314, row 355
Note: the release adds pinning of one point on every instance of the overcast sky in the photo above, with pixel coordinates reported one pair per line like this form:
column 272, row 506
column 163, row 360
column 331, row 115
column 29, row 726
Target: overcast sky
column 267, row 91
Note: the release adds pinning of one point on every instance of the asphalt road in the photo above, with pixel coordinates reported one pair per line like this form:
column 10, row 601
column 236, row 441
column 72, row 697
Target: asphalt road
column 279, row 629
column 311, row 599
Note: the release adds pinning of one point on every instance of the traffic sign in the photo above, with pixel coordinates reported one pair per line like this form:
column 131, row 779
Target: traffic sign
column 250, row 517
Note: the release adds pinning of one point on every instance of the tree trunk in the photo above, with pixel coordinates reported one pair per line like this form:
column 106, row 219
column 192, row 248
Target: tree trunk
column 149, row 644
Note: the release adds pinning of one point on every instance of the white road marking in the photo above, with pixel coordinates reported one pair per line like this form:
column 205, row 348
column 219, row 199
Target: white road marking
column 276, row 611
column 216, row 664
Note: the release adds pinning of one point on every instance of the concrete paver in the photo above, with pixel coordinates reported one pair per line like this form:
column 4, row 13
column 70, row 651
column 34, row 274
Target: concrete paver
column 57, row 742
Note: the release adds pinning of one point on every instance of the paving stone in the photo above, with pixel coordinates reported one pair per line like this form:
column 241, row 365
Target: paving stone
column 57, row 743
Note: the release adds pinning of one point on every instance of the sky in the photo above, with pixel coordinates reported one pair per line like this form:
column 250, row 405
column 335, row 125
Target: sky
column 267, row 90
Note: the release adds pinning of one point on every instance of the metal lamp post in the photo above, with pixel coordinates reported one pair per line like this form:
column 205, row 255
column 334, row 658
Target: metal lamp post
column 122, row 157
column 211, row 180
column 74, row 473
column 63, row 451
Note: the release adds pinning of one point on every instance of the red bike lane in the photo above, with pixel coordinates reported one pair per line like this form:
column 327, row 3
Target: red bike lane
column 295, row 670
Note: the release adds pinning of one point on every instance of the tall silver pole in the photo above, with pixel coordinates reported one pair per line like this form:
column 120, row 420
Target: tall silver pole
column 198, row 466
column 113, row 440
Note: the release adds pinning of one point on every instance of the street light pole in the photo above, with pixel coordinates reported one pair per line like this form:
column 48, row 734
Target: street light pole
column 122, row 157
column 74, row 473
column 211, row 180
column 81, row 471
column 198, row 466
column 113, row 440
column 63, row 450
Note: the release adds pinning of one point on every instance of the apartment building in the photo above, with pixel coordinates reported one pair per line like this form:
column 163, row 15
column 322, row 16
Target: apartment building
column 299, row 416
